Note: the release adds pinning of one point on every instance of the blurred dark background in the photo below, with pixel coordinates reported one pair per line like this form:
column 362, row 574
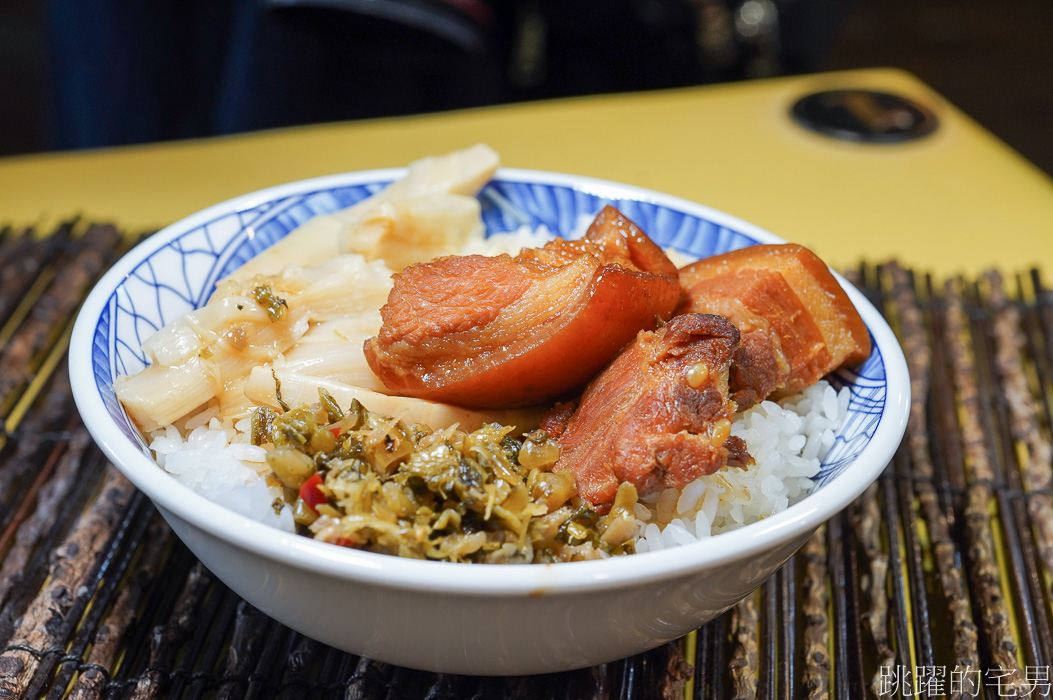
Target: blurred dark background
column 85, row 73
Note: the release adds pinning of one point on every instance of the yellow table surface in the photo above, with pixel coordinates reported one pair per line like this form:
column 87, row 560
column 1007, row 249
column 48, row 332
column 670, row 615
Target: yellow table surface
column 958, row 201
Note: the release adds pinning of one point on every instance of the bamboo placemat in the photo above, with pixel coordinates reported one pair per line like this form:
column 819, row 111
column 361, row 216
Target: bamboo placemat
column 935, row 583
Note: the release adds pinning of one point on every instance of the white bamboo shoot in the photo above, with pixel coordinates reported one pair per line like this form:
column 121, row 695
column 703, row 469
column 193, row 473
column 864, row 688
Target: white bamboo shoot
column 407, row 231
column 298, row 389
column 461, row 172
column 333, row 350
column 160, row 395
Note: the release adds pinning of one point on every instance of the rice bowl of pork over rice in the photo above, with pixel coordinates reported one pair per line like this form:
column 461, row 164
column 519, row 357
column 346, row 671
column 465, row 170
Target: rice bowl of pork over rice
column 261, row 371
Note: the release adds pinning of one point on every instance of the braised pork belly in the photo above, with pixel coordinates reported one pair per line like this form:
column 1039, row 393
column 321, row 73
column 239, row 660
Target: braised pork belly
column 499, row 331
column 658, row 415
column 797, row 323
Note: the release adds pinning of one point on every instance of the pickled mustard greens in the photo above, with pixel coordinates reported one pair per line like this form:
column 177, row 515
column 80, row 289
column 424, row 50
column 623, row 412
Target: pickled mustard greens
column 274, row 305
column 370, row 481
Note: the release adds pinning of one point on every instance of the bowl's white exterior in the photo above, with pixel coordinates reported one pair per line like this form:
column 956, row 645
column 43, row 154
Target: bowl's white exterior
column 482, row 634
column 467, row 618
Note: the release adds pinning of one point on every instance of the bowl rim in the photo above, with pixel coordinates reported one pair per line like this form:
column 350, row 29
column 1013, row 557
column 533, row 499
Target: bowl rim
column 174, row 498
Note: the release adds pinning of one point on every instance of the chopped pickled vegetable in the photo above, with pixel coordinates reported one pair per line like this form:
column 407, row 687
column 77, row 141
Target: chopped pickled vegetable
column 274, row 305
column 369, row 481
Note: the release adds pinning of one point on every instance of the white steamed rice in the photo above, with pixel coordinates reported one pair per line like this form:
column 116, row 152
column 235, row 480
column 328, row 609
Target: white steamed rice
column 788, row 441
column 218, row 462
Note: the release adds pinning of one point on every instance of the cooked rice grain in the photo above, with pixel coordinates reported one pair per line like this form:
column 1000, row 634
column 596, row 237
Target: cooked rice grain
column 788, row 441
column 218, row 462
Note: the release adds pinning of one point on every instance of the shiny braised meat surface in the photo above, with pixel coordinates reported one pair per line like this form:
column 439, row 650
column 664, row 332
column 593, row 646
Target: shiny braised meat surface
column 781, row 348
column 658, row 415
column 764, row 321
column 797, row 323
column 500, row 331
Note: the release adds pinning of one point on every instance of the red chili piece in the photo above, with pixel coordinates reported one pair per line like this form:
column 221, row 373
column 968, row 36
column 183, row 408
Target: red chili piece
column 310, row 493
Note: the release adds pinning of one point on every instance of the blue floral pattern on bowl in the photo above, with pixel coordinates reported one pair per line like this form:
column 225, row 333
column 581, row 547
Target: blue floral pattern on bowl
column 181, row 272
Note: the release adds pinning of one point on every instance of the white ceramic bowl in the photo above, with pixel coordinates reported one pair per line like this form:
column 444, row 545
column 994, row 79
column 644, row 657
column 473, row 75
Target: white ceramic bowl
column 459, row 618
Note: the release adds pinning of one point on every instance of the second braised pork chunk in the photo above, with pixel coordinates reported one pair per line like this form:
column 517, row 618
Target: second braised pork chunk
column 500, row 331
column 658, row 415
column 796, row 321
column 781, row 349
